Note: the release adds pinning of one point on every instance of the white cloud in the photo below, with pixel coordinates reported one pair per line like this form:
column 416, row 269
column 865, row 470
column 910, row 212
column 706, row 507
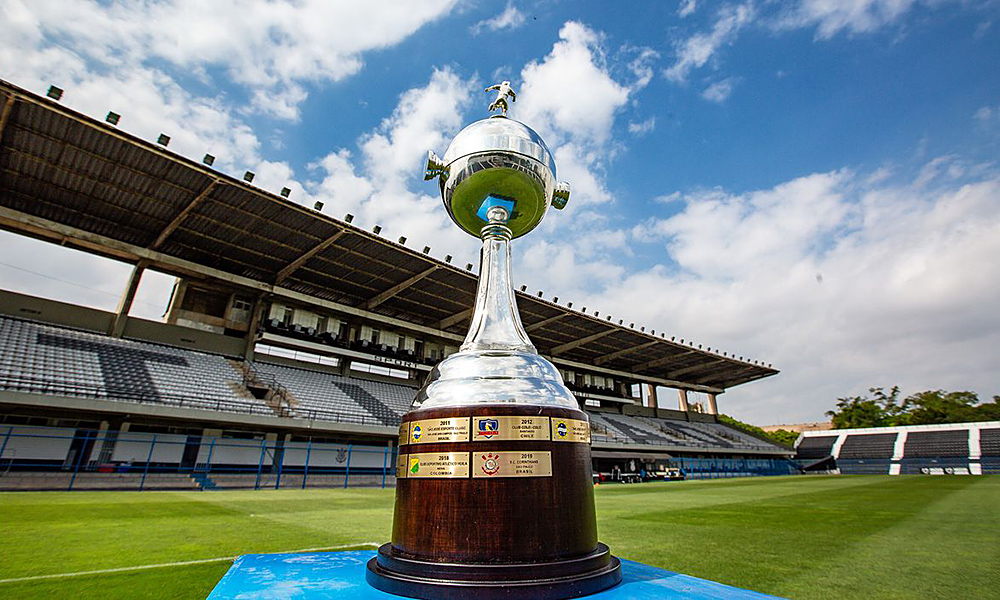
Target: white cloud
column 842, row 280
column 695, row 51
column 510, row 18
column 570, row 92
column 857, row 16
column 270, row 48
column 719, row 91
column 376, row 186
column 686, row 8
column 828, row 17
column 642, row 127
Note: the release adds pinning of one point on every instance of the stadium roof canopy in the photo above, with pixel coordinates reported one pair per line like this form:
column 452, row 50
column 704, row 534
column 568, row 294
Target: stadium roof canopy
column 69, row 178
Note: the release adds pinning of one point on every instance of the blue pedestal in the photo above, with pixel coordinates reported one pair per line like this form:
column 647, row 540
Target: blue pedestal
column 342, row 575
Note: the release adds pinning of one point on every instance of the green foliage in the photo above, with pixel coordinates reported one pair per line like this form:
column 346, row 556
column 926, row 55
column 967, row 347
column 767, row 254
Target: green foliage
column 880, row 409
column 781, row 436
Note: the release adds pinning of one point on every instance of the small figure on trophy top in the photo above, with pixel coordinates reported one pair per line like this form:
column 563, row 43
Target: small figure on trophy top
column 503, row 91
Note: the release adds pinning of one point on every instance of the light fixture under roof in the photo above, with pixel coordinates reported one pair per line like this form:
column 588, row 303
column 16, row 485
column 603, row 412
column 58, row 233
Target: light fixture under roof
column 468, row 266
column 317, row 206
column 447, row 258
column 377, row 229
column 348, row 218
column 427, row 249
column 402, row 239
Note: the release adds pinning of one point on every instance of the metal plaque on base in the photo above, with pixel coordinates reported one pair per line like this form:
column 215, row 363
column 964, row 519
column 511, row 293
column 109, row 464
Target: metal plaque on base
column 494, row 493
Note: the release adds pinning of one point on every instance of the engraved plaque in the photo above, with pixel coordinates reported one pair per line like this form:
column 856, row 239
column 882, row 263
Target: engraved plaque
column 511, row 464
column 427, row 431
column 438, row 464
column 510, row 428
column 570, row 430
column 401, row 464
column 404, row 433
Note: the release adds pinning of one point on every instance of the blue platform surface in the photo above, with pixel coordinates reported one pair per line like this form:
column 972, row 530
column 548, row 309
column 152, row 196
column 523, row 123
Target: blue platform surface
column 342, row 575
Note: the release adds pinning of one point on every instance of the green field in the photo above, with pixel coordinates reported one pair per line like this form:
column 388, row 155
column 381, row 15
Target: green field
column 803, row 537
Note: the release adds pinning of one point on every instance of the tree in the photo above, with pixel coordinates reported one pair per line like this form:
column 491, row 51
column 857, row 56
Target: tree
column 854, row 412
column 923, row 408
column 781, row 436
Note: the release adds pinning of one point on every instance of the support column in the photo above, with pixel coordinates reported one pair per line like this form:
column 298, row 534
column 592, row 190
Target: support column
column 713, row 406
column 682, row 400
column 125, row 303
column 255, row 317
column 344, row 366
column 650, row 395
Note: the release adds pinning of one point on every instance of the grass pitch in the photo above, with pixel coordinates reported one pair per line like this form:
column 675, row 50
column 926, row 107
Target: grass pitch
column 801, row 537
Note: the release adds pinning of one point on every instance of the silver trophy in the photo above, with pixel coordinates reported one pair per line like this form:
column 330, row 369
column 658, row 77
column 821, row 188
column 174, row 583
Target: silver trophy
column 494, row 492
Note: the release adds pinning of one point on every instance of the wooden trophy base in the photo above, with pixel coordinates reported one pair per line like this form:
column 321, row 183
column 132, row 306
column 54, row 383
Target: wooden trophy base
column 568, row 578
column 494, row 502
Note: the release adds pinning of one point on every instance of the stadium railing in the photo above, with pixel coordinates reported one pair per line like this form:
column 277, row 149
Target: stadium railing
column 34, row 385
column 88, row 459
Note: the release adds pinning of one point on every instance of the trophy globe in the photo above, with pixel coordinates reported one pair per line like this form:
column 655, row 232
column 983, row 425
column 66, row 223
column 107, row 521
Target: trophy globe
column 494, row 491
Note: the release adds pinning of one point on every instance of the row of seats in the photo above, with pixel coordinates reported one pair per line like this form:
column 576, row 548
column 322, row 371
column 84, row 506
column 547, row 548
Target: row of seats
column 632, row 429
column 323, row 395
column 44, row 359
column 937, row 444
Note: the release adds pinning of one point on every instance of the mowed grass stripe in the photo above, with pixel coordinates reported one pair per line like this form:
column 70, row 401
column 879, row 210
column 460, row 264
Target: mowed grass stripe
column 804, row 537
column 948, row 549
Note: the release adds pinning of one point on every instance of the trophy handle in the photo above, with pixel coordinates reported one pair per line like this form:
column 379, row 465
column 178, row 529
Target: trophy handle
column 435, row 166
column 560, row 196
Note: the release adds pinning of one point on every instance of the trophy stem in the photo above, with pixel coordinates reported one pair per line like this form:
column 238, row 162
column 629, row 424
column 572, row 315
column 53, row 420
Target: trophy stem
column 496, row 322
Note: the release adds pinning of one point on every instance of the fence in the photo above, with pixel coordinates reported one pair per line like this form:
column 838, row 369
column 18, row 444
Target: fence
column 68, row 459
column 721, row 468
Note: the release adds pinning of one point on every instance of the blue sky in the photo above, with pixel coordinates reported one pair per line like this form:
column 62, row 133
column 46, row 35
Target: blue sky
column 812, row 183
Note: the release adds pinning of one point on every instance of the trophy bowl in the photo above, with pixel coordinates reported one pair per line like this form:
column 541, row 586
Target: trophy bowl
column 502, row 158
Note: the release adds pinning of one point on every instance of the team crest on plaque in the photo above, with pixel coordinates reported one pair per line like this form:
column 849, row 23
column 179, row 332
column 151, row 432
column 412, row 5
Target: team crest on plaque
column 488, row 428
column 490, row 464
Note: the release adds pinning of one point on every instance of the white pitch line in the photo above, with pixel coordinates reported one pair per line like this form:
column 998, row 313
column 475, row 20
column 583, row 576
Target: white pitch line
column 173, row 564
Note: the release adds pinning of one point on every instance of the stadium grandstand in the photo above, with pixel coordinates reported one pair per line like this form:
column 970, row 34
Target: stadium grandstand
column 952, row 448
column 293, row 341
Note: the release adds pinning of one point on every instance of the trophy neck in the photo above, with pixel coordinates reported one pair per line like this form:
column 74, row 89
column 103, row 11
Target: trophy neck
column 496, row 323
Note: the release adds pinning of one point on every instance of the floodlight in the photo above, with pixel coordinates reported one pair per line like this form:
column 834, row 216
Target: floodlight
column 163, row 140
column 54, row 92
column 112, row 117
column 208, row 160
column 248, row 176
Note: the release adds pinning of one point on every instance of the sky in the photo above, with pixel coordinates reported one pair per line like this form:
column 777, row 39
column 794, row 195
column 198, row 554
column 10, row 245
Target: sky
column 809, row 183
